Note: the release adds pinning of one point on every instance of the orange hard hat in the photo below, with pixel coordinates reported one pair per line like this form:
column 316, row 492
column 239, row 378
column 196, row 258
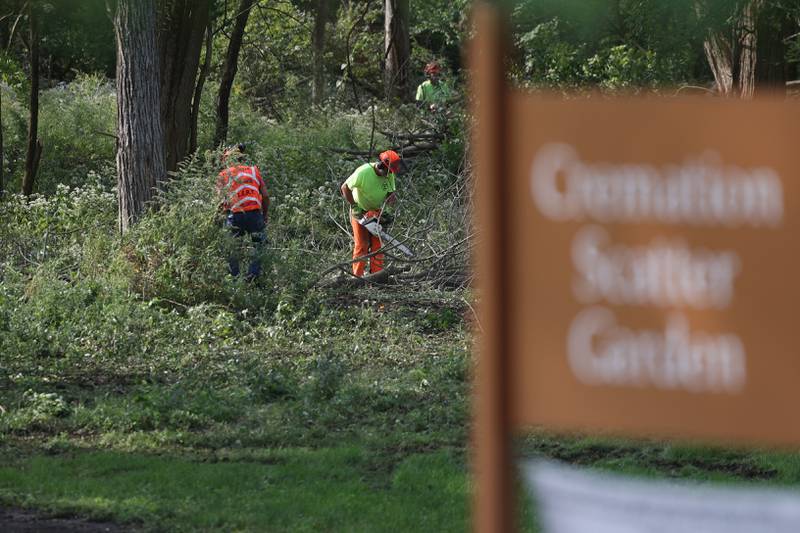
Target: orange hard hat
column 391, row 160
column 432, row 68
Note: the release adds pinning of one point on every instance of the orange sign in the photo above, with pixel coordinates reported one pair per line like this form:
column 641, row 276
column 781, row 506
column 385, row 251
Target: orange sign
column 638, row 268
column 653, row 266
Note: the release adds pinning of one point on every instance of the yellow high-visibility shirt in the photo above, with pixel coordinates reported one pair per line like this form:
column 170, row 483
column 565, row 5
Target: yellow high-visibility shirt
column 369, row 189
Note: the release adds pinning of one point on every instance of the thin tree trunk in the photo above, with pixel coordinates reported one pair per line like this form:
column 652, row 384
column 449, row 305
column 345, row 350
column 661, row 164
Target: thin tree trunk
column 229, row 71
column 353, row 80
column 318, row 41
column 198, row 90
column 181, row 28
column 397, row 49
column 34, row 146
column 720, row 60
column 140, row 147
column 733, row 53
column 745, row 74
column 2, row 156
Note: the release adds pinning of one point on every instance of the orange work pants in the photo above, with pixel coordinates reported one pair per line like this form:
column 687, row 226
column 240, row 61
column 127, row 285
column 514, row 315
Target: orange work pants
column 365, row 242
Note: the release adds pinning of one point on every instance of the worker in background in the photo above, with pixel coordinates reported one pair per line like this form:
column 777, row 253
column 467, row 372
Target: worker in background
column 246, row 203
column 368, row 190
column 432, row 93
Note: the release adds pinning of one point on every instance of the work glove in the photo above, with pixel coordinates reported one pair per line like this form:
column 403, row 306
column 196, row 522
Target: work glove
column 372, row 214
column 387, row 219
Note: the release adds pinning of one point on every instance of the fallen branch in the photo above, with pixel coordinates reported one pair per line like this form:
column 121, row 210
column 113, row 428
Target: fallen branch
column 408, row 151
column 412, row 136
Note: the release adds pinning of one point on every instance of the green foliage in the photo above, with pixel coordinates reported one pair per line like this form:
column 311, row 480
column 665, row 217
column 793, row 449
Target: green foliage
column 12, row 73
column 548, row 58
column 143, row 342
column 77, row 122
column 623, row 67
column 612, row 45
column 275, row 63
column 439, row 26
column 327, row 373
column 15, row 120
column 37, row 411
column 77, row 125
column 77, row 37
column 146, row 336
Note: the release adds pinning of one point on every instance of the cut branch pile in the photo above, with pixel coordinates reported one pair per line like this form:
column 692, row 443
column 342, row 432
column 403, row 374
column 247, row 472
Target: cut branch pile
column 408, row 145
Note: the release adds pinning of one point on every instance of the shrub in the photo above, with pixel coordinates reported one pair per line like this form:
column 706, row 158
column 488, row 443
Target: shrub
column 77, row 125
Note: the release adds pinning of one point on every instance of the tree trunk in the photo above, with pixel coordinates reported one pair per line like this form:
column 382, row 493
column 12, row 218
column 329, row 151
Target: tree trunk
column 140, row 146
column 229, row 71
column 749, row 56
column 397, row 49
column 720, row 60
column 318, row 42
column 182, row 25
column 198, row 90
column 2, row 157
column 744, row 71
column 34, row 146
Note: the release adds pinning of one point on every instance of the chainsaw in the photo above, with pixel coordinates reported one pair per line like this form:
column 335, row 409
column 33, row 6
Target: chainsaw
column 374, row 227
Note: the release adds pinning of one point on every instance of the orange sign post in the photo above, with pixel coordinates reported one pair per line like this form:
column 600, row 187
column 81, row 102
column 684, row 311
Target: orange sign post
column 638, row 268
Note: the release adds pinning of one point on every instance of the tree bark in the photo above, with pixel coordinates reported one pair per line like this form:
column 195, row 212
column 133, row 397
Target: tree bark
column 744, row 71
column 2, row 156
column 182, row 25
column 140, row 146
column 318, row 42
column 397, row 49
column 34, row 146
column 749, row 56
column 720, row 59
column 198, row 90
column 229, row 71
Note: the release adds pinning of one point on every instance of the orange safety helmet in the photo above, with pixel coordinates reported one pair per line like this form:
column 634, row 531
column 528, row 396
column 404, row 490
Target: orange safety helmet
column 432, row 68
column 391, row 160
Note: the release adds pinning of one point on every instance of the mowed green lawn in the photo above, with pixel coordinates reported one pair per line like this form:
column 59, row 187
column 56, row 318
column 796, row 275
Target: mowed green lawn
column 342, row 488
column 329, row 489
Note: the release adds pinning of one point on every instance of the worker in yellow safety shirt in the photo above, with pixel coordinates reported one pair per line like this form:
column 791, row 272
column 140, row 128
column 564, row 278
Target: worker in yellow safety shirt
column 367, row 190
column 433, row 92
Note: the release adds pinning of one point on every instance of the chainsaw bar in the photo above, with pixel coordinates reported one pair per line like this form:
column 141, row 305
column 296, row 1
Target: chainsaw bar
column 374, row 227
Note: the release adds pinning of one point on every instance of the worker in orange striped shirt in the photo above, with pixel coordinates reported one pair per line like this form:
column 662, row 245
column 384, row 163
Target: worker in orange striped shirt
column 246, row 203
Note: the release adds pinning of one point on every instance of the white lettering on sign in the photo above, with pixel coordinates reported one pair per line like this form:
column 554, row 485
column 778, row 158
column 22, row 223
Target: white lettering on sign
column 601, row 352
column 700, row 191
column 667, row 273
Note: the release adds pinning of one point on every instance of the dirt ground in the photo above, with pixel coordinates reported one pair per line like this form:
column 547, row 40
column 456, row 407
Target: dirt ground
column 23, row 521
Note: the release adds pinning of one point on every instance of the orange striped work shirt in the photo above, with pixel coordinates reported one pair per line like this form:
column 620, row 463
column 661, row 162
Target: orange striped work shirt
column 242, row 187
